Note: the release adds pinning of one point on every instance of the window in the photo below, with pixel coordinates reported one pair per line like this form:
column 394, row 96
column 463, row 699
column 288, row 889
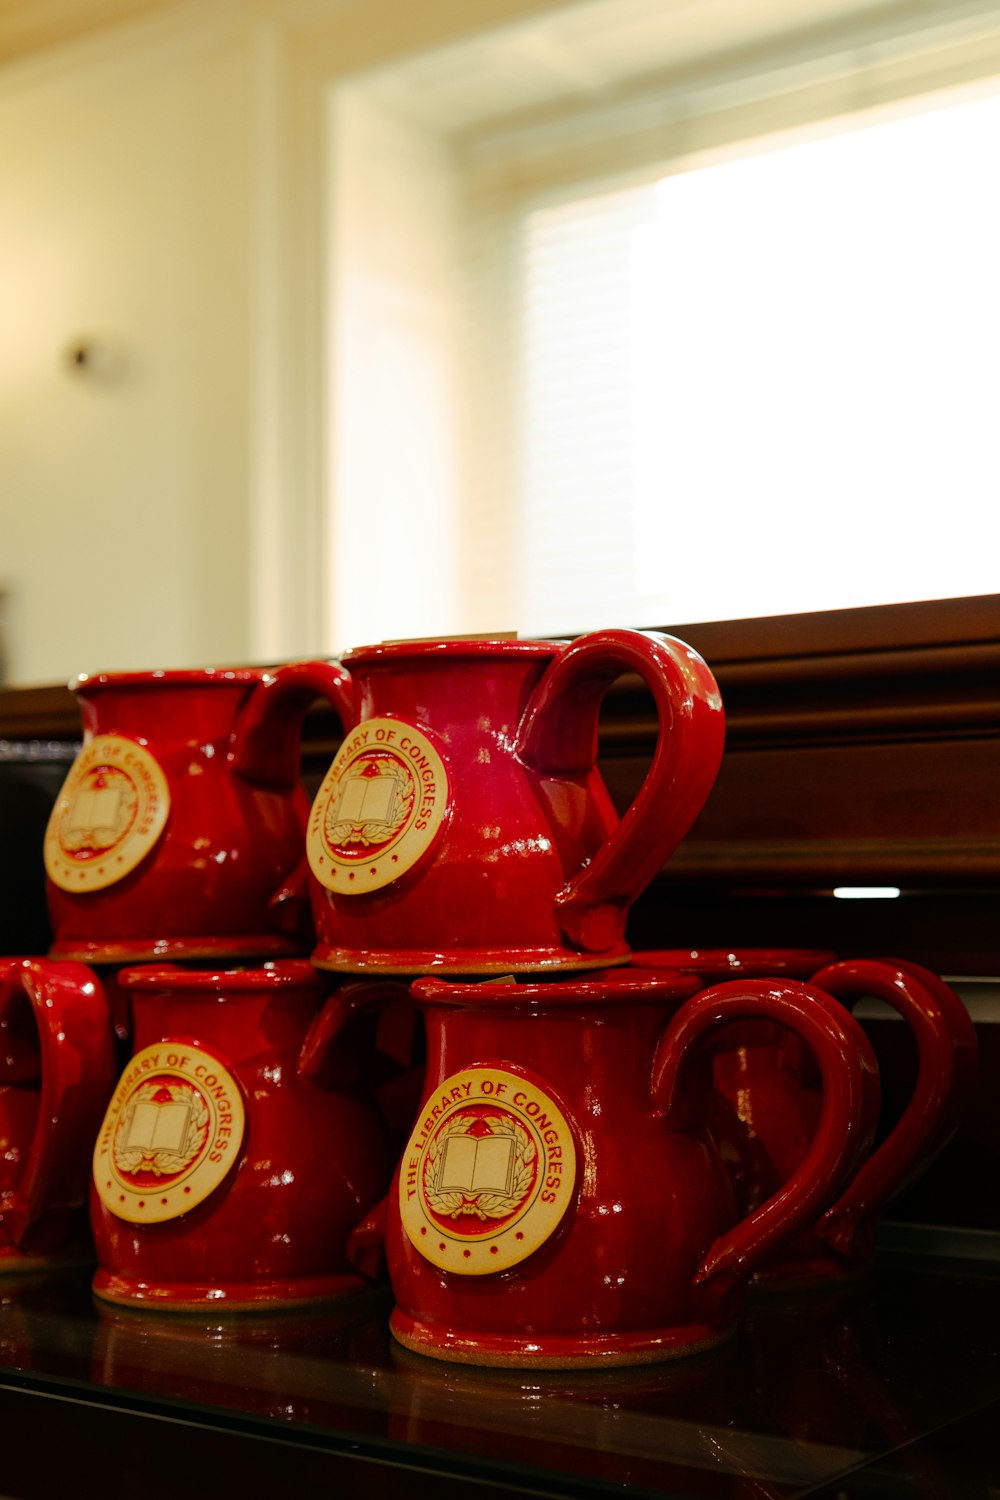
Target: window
column 766, row 386
column 758, row 378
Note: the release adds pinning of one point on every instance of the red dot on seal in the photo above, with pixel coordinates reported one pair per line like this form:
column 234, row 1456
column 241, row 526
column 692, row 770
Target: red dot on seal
column 142, row 1203
column 467, row 1253
column 442, row 1246
column 164, row 1200
column 121, row 1197
column 423, row 1230
column 373, row 870
column 187, row 1189
column 395, row 859
column 493, row 1249
column 519, row 1235
column 351, row 875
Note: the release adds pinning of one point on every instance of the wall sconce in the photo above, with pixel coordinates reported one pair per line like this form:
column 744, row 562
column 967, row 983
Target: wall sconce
column 94, row 359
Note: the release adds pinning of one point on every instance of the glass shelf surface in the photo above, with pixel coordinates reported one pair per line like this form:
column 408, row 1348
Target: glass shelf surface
column 887, row 1387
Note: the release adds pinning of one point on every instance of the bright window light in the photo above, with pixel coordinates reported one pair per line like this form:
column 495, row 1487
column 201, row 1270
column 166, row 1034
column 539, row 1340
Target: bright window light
column 767, row 386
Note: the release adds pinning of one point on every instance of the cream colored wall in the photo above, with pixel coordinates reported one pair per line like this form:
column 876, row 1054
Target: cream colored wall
column 123, row 201
column 157, row 195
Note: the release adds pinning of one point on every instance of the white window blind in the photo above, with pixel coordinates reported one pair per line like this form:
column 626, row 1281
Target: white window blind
column 577, row 412
column 768, row 385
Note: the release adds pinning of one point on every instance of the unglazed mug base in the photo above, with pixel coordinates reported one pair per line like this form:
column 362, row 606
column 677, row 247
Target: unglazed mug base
column 144, row 949
column 224, row 1296
column 470, row 961
column 554, row 1351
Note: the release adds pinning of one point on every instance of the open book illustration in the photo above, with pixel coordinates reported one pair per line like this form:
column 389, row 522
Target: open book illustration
column 157, row 1126
column 370, row 799
column 97, row 810
column 470, row 1164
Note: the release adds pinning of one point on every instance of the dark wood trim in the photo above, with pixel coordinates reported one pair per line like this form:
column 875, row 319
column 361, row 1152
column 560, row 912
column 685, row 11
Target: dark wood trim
column 38, row 713
column 820, row 864
column 928, row 622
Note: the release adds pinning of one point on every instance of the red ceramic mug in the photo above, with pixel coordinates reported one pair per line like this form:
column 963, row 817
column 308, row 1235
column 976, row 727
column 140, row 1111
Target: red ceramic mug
column 842, row 1241
column 716, row 964
column 554, row 1207
column 767, row 1095
column 464, row 825
column 57, row 1069
column 182, row 820
column 223, row 1177
column 763, row 1116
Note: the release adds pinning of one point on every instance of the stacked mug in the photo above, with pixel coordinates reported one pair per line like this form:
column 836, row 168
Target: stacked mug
column 178, row 898
column 560, row 1191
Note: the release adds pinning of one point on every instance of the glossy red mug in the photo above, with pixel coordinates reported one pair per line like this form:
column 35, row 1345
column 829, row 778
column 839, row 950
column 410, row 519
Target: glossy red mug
column 181, row 824
column 464, row 825
column 767, row 1095
column 223, row 1177
column 57, row 1070
column 716, row 964
column 560, row 1200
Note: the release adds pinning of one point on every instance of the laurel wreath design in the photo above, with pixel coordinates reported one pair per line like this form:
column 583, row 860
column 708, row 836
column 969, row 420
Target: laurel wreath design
column 363, row 833
column 481, row 1205
column 163, row 1163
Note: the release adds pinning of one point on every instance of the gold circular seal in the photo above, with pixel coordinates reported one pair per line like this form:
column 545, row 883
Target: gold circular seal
column 112, row 809
column 379, row 807
column 488, row 1173
column 171, row 1133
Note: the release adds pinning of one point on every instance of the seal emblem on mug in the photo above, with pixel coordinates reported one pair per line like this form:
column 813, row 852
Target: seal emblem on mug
column 379, row 807
column 111, row 810
column 171, row 1133
column 488, row 1173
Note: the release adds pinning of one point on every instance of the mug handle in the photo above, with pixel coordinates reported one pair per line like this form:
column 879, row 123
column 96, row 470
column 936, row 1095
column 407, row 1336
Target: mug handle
column 843, row 1137
column 266, row 748
column 319, row 1064
column 78, row 1074
column 267, row 753
column 947, row 1053
column 557, row 736
column 318, row 1059
column 366, row 1242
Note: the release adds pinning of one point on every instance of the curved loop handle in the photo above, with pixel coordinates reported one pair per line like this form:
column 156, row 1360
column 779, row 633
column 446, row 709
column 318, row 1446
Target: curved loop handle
column 847, row 1120
column 366, row 1242
column 318, row 1056
column 289, row 908
column 947, row 1054
column 266, row 750
column 78, row 1073
column 558, row 737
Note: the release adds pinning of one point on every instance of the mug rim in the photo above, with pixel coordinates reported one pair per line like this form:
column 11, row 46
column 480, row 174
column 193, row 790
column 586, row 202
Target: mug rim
column 85, row 682
column 597, row 988
column 452, row 648
column 738, row 962
column 288, row 973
